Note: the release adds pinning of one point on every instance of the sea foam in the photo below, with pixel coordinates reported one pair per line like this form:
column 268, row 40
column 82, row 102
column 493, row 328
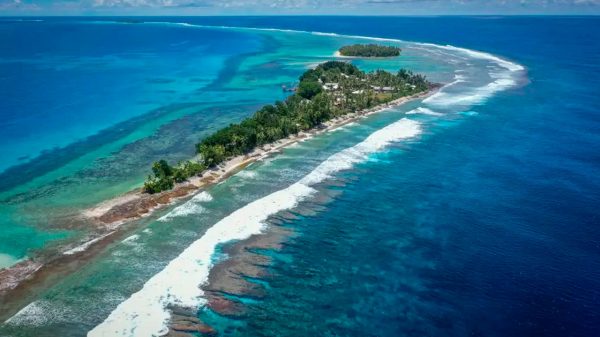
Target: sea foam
column 83, row 247
column 146, row 312
column 478, row 55
column 40, row 313
column 247, row 174
column 192, row 206
column 471, row 97
column 469, row 52
column 424, row 111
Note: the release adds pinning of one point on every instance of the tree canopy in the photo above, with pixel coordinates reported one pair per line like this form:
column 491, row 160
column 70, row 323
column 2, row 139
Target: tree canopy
column 312, row 104
column 369, row 50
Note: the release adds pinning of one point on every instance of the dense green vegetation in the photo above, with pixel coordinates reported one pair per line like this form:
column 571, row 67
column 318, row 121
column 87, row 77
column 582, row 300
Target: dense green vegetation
column 330, row 90
column 164, row 176
column 369, row 50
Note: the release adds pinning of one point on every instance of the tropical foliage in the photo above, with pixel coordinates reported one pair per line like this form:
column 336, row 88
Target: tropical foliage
column 164, row 176
column 330, row 90
column 369, row 50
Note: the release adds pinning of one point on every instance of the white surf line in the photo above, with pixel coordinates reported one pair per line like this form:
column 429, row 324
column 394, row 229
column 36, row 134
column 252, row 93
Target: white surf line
column 36, row 313
column 471, row 97
column 502, row 80
column 468, row 52
column 479, row 55
column 86, row 245
column 440, row 98
column 193, row 206
column 424, row 111
column 146, row 312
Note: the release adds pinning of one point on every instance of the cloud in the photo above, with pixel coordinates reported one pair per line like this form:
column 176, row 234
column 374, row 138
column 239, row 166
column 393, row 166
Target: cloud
column 234, row 7
column 18, row 5
column 207, row 3
column 333, row 3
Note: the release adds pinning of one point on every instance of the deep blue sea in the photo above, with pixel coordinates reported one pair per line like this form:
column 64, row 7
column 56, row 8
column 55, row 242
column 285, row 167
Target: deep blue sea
column 59, row 85
column 488, row 224
column 74, row 97
column 487, row 229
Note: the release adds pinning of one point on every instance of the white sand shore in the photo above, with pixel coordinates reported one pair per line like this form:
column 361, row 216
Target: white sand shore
column 136, row 204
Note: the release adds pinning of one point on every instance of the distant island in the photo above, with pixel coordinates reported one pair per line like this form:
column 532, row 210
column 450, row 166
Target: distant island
column 332, row 90
column 369, row 50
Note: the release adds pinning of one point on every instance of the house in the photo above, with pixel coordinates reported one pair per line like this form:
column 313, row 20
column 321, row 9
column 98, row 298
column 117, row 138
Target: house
column 331, row 86
column 383, row 89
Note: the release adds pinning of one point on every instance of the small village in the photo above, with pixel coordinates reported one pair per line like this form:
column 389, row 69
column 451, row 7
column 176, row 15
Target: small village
column 330, row 90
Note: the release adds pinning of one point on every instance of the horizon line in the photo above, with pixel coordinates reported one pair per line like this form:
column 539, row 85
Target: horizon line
column 307, row 14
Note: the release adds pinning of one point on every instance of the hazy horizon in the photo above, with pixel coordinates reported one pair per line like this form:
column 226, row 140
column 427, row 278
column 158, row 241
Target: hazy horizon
column 299, row 7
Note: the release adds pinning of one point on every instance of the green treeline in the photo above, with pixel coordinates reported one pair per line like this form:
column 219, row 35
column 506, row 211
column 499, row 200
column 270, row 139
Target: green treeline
column 164, row 176
column 330, row 90
column 369, row 50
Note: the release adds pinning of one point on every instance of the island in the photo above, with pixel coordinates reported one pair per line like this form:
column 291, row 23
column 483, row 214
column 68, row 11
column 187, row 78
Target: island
column 369, row 50
column 332, row 90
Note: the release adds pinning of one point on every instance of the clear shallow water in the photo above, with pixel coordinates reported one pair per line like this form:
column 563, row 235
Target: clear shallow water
column 61, row 86
column 461, row 228
column 80, row 100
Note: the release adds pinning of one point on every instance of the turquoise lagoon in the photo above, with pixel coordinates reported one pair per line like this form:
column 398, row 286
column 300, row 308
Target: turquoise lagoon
column 396, row 264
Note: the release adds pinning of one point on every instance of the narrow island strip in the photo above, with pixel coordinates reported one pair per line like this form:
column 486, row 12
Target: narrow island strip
column 331, row 95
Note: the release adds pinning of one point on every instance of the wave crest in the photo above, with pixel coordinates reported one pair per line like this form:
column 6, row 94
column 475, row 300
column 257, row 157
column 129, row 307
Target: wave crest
column 146, row 312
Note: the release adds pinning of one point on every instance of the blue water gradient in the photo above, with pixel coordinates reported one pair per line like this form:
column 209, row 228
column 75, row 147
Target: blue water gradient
column 489, row 228
column 60, row 86
column 70, row 89
column 486, row 224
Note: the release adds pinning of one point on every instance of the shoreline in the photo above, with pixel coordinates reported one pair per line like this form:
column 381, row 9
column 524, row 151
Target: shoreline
column 136, row 204
column 109, row 216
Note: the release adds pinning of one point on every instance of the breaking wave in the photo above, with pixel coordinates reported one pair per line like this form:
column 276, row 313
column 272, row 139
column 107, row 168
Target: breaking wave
column 472, row 97
column 146, row 312
column 192, row 206
column 83, row 247
column 424, row 111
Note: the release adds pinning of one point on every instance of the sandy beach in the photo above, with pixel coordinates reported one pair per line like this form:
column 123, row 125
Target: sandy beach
column 135, row 204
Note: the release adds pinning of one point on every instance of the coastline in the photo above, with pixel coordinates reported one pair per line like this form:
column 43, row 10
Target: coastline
column 136, row 204
column 112, row 238
column 110, row 215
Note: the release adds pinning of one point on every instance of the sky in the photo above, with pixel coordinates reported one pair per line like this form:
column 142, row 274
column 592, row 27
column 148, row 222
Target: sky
column 297, row 7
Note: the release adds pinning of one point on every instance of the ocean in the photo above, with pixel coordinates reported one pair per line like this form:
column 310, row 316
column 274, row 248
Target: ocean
column 472, row 212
